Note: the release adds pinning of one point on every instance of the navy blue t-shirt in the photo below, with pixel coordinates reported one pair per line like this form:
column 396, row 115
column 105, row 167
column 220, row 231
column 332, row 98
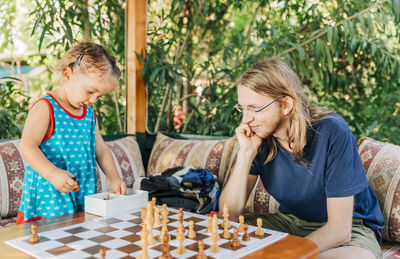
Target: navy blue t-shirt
column 333, row 169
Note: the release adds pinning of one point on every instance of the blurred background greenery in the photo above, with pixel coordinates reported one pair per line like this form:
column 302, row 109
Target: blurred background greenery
column 347, row 54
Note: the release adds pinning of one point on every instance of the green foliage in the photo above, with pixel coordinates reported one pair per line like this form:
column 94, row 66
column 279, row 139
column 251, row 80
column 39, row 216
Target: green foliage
column 63, row 23
column 13, row 108
column 345, row 52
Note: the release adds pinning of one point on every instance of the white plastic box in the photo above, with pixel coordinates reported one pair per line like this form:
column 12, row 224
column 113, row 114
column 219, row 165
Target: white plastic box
column 105, row 204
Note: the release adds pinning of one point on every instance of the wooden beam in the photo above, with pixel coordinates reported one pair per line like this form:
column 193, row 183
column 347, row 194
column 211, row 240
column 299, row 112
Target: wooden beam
column 135, row 40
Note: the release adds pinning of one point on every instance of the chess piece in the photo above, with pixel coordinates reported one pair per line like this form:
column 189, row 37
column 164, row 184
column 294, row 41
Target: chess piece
column 143, row 215
column 241, row 222
column 259, row 232
column 102, row 252
column 165, row 249
column 201, row 254
column 191, row 234
column 214, row 239
column 143, row 243
column 180, row 237
column 209, row 227
column 245, row 236
column 154, row 201
column 164, row 232
column 34, row 236
column 149, row 223
column 226, row 233
column 164, row 212
column 225, row 214
column 180, row 214
column 156, row 216
column 76, row 180
column 235, row 240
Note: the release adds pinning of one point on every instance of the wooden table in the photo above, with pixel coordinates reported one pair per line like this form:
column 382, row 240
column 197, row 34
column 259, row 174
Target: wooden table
column 288, row 247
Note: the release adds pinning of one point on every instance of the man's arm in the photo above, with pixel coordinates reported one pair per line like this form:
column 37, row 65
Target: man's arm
column 337, row 231
column 238, row 187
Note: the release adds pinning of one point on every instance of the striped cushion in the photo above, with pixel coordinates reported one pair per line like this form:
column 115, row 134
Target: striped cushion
column 382, row 165
column 213, row 155
column 125, row 152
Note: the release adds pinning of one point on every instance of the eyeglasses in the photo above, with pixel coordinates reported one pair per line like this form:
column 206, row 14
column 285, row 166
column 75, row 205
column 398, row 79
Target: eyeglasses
column 240, row 108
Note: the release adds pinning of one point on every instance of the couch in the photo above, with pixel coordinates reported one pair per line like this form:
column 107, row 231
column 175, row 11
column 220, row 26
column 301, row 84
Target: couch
column 146, row 154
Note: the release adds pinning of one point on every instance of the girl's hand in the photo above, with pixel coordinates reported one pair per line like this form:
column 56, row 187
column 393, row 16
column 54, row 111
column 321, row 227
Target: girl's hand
column 248, row 140
column 118, row 185
column 63, row 181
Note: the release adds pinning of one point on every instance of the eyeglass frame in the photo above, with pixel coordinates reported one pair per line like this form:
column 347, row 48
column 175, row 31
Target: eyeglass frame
column 240, row 108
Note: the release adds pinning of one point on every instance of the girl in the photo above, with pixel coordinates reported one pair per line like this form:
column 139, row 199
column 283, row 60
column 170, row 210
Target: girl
column 61, row 140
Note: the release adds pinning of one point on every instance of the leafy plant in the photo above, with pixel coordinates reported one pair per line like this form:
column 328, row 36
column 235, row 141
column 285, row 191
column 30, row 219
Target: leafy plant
column 13, row 108
column 346, row 53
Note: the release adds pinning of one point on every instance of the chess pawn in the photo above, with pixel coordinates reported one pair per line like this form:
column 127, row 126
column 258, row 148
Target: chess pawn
column 165, row 249
column 245, row 236
column 201, row 254
column 180, row 237
column 164, row 212
column 241, row 223
column 191, row 233
column 34, row 236
column 226, row 233
column 209, row 227
column 235, row 240
column 156, row 216
column 259, row 232
column 102, row 253
column 214, row 239
column 225, row 214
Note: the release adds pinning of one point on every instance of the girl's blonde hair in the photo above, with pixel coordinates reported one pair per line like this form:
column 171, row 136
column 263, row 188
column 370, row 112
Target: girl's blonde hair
column 275, row 78
column 90, row 58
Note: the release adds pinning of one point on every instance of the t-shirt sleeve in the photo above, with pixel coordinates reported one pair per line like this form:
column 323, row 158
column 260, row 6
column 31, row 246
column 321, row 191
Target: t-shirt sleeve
column 253, row 168
column 345, row 174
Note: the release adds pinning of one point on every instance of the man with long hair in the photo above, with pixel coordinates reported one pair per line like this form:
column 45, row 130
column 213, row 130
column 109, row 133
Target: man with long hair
column 307, row 159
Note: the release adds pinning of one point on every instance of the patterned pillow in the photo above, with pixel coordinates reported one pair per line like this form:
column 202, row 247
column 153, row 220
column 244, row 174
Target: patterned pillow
column 12, row 168
column 382, row 165
column 127, row 158
column 125, row 152
column 213, row 155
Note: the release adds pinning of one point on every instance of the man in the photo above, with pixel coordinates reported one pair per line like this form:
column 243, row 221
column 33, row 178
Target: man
column 307, row 160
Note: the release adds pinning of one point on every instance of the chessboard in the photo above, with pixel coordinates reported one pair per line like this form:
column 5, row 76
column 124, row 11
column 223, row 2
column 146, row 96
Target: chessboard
column 120, row 237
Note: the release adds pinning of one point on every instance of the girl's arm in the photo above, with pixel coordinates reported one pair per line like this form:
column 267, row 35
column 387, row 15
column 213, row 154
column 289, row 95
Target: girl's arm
column 36, row 126
column 106, row 162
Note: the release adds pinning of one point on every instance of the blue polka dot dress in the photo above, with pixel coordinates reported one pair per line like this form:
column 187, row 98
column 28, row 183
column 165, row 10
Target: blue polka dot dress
column 71, row 147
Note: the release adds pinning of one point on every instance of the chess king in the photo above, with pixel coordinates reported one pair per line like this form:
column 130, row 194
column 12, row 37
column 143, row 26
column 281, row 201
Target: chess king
column 307, row 159
column 61, row 140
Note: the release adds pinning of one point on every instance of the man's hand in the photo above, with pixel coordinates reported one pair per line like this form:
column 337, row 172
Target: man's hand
column 248, row 140
column 118, row 185
column 63, row 181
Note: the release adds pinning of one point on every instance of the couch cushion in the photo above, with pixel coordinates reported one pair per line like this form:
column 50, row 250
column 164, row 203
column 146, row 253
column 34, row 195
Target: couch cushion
column 382, row 165
column 213, row 155
column 127, row 158
column 125, row 152
column 12, row 167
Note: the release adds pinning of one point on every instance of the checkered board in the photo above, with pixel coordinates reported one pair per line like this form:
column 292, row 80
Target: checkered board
column 120, row 236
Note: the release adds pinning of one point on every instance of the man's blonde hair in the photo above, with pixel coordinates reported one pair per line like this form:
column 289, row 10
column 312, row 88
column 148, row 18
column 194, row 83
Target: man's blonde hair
column 275, row 78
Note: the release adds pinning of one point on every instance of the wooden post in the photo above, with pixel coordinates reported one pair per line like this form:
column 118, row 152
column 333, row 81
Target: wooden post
column 135, row 37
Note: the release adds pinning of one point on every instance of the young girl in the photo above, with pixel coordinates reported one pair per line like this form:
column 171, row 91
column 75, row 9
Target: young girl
column 61, row 140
